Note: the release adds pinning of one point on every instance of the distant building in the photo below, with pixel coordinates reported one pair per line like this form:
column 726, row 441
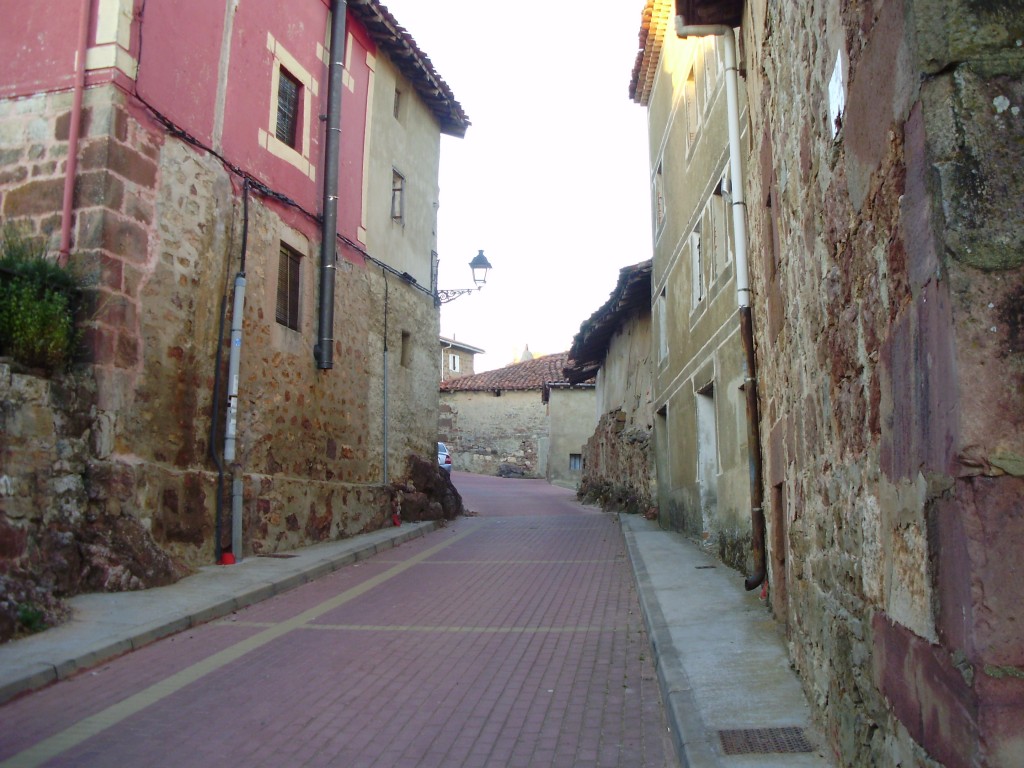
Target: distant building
column 525, row 419
column 613, row 347
column 457, row 359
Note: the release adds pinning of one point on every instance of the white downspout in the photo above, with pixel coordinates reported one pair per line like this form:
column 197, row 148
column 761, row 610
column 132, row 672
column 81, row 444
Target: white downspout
column 739, row 226
column 739, row 206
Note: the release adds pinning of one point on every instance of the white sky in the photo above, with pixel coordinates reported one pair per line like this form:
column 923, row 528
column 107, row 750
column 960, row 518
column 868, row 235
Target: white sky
column 552, row 178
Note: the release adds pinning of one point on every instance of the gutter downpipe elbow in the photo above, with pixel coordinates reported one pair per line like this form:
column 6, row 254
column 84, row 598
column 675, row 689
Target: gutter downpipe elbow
column 74, row 133
column 323, row 352
column 739, row 219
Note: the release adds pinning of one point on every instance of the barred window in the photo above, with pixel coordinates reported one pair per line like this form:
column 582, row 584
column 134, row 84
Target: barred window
column 289, row 92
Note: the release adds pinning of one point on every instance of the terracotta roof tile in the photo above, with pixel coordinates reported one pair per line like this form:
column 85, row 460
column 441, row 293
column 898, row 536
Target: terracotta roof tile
column 529, row 374
column 405, row 54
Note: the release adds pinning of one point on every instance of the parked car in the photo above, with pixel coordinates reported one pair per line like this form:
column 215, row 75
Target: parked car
column 444, row 457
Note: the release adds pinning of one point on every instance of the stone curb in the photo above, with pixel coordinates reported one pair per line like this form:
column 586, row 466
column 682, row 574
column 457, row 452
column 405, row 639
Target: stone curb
column 689, row 736
column 110, row 624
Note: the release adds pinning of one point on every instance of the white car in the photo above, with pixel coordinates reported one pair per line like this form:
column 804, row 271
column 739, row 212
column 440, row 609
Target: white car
column 444, row 458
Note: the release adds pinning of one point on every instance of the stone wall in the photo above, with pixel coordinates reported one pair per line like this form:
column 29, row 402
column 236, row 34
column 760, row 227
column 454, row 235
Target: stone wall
column 158, row 233
column 57, row 536
column 485, row 431
column 888, row 267
column 618, row 466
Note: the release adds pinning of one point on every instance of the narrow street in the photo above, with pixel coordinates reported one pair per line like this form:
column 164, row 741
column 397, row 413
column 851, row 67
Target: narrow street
column 511, row 637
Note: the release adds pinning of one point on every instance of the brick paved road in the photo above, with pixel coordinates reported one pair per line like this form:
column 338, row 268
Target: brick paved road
column 509, row 638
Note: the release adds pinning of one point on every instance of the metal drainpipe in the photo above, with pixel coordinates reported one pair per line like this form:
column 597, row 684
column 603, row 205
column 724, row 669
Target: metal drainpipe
column 739, row 219
column 74, row 133
column 323, row 352
column 384, row 426
column 234, row 358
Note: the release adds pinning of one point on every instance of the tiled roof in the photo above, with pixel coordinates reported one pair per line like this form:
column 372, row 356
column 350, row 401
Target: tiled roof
column 655, row 18
column 530, row 374
column 403, row 52
column 632, row 295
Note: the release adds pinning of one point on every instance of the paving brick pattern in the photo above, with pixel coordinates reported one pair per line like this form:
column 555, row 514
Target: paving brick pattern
column 509, row 638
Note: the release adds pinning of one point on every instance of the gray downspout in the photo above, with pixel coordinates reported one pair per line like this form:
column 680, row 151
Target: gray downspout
column 323, row 352
column 739, row 218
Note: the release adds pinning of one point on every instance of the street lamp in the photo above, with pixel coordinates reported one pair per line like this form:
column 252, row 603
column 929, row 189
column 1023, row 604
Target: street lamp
column 479, row 265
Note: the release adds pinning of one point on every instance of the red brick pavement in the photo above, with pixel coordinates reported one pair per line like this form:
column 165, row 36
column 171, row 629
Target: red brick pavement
column 510, row 638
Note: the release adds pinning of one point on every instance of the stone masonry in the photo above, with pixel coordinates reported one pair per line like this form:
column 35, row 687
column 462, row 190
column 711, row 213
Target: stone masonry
column 888, row 267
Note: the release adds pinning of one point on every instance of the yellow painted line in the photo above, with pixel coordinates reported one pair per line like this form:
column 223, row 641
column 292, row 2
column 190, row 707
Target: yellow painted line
column 84, row 729
column 428, row 628
column 466, row 630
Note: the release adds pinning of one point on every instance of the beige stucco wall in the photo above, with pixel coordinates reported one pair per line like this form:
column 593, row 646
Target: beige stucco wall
column 485, row 431
column 619, row 467
column 573, row 418
column 702, row 485
column 411, row 145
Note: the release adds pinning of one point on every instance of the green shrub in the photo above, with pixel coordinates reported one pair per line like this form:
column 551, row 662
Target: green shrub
column 38, row 301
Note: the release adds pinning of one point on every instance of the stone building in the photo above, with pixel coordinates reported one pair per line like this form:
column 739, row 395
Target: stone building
column 882, row 152
column 613, row 347
column 523, row 420
column 201, row 168
column 457, row 358
column 700, row 425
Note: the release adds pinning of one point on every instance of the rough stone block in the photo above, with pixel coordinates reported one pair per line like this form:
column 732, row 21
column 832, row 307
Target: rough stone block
column 34, row 198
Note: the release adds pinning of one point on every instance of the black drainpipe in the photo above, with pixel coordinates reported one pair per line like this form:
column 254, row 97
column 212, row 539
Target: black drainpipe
column 323, row 352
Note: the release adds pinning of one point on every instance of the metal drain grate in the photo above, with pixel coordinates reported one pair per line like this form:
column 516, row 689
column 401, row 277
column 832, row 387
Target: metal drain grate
column 277, row 556
column 752, row 741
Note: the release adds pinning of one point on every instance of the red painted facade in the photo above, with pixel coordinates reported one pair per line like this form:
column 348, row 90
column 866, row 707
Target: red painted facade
column 181, row 82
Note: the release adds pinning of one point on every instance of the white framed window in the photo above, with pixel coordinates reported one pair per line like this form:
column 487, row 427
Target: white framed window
column 691, row 106
column 662, row 326
column 292, row 92
column 659, row 199
column 575, row 462
column 696, row 267
column 454, row 363
column 397, row 197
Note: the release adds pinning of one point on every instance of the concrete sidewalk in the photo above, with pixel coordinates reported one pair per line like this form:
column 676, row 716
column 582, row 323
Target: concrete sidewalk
column 104, row 625
column 731, row 697
column 722, row 664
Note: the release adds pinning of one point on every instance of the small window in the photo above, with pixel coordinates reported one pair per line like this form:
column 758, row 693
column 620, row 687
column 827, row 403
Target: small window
column 406, row 349
column 398, row 104
column 575, row 462
column 288, row 282
column 696, row 260
column 289, row 99
column 662, row 327
column 397, row 197
column 453, row 363
column 659, row 198
column 692, row 107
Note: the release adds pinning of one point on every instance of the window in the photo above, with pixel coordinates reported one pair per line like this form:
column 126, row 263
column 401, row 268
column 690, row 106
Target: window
column 398, row 104
column 659, row 199
column 406, row 349
column 288, row 283
column 289, row 101
column 575, row 462
column 287, row 133
column 697, row 264
column 453, row 363
column 397, row 197
column 662, row 327
column 692, row 107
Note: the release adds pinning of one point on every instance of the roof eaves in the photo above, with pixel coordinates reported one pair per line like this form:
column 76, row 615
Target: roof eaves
column 413, row 63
